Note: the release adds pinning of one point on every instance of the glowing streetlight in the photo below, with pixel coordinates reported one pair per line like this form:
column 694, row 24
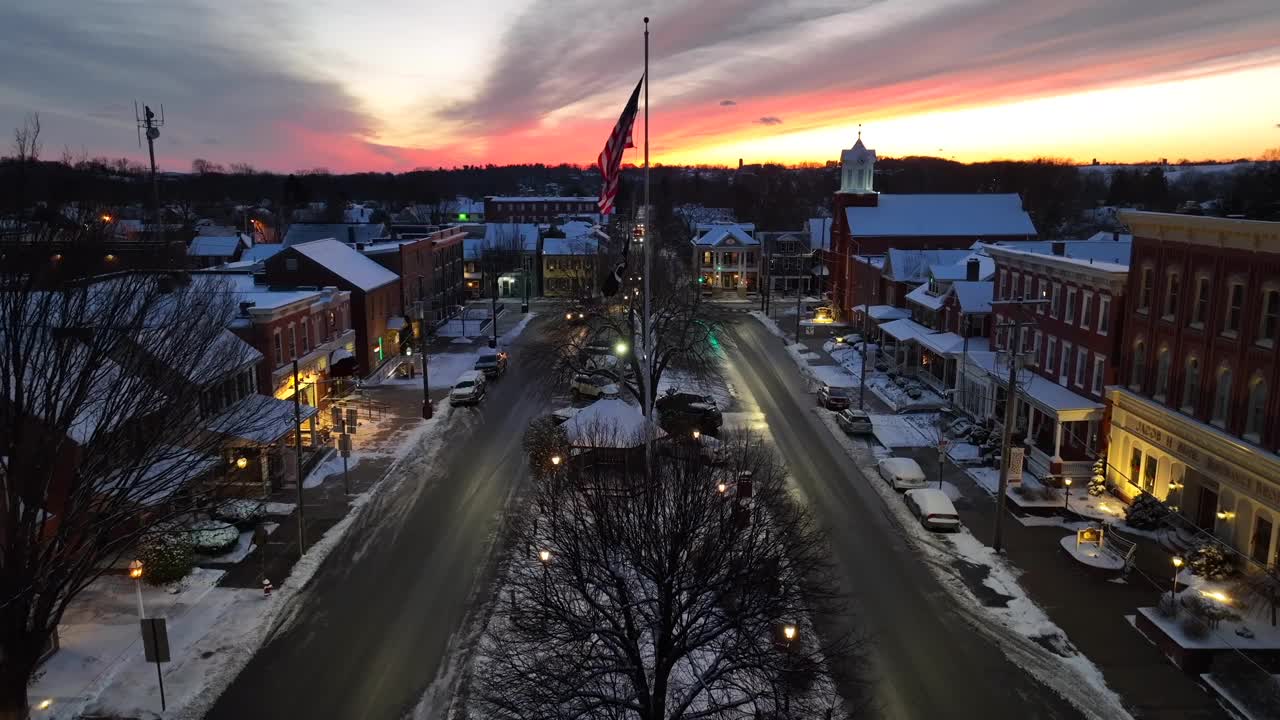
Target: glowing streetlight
column 555, row 459
column 1066, row 498
column 697, row 434
column 242, row 462
column 620, row 348
column 135, row 572
column 789, row 633
column 722, row 488
column 106, row 218
column 1173, row 592
column 44, row 704
column 544, row 557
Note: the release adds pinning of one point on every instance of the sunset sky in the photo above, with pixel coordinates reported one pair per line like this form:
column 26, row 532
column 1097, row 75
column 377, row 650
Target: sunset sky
column 397, row 84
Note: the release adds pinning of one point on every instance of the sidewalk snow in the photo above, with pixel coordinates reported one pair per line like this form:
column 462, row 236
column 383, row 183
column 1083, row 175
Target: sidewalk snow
column 213, row 631
column 768, row 323
column 1103, row 507
column 833, row 375
column 1022, row 630
column 906, row 430
column 443, row 369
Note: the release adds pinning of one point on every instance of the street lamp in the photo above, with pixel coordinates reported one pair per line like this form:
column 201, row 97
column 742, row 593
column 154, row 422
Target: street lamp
column 697, row 434
column 135, row 572
column 544, row 556
column 1173, row 592
column 789, row 633
column 722, row 488
column 555, row 459
column 620, row 348
column 242, row 462
column 1066, row 498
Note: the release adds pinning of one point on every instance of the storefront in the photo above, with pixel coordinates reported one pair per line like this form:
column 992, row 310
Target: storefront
column 1215, row 481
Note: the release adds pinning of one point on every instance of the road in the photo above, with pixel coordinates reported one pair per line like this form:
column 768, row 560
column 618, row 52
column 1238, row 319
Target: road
column 926, row 660
column 374, row 625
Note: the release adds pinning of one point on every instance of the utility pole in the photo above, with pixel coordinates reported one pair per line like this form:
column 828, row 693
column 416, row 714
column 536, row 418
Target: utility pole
column 426, row 391
column 1010, row 413
column 147, row 121
column 648, row 266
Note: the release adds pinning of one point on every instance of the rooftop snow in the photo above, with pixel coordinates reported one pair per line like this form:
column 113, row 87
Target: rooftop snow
column 539, row 198
column 981, row 214
column 608, row 422
column 913, row 265
column 974, row 297
column 588, row 245
column 307, row 232
column 258, row 253
column 726, row 234
column 343, row 260
column 259, row 419
column 922, row 296
column 906, row 330
column 819, row 233
column 1105, row 256
column 213, row 246
column 1043, row 392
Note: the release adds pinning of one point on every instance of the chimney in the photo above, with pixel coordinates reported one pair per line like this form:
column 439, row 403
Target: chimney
column 1115, row 235
column 244, row 308
column 1059, row 248
column 351, row 235
column 972, row 269
column 739, row 163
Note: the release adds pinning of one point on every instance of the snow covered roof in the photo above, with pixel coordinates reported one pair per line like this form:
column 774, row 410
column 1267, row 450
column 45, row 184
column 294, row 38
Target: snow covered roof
column 259, row 419
column 306, row 232
column 499, row 234
column 819, row 233
column 213, row 246
column 1041, row 391
column 587, row 245
column 944, row 343
column 886, row 312
column 913, row 265
column 608, row 422
column 725, row 234
column 974, row 297
column 906, row 330
column 1108, row 256
column 980, row 214
column 540, row 198
column 258, row 253
column 575, row 229
column 262, row 296
column 922, row 296
column 343, row 260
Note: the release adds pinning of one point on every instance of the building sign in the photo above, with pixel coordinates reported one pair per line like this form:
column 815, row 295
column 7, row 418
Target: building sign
column 1017, row 456
column 1089, row 536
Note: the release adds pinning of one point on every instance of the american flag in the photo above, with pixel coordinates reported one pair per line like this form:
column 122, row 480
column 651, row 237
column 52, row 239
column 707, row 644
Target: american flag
column 611, row 157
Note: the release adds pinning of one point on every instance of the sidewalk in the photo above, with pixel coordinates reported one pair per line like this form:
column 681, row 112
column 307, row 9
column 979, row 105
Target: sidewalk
column 1088, row 608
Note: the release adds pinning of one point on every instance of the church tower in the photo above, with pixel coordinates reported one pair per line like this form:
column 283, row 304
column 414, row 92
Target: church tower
column 857, row 168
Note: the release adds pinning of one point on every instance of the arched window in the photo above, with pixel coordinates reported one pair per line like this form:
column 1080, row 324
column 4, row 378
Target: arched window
column 1255, row 416
column 1139, row 365
column 1222, row 397
column 1191, row 386
column 1162, row 373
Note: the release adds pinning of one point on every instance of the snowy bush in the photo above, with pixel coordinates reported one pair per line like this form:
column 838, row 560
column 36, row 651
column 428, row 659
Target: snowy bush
column 1165, row 606
column 1209, row 611
column 213, row 537
column 166, row 557
column 1146, row 513
column 1098, row 480
column 241, row 512
column 1194, row 627
column 1210, row 561
column 915, row 393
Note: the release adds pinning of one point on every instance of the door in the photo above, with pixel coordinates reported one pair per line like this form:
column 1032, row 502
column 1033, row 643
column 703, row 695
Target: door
column 1260, row 543
column 1207, row 510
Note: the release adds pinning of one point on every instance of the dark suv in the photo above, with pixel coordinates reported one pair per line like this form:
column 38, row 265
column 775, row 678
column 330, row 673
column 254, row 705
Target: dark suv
column 680, row 413
column 492, row 364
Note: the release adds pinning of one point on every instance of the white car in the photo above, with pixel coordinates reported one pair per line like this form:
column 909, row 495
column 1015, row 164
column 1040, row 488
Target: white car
column 934, row 509
column 469, row 389
column 902, row 473
column 593, row 386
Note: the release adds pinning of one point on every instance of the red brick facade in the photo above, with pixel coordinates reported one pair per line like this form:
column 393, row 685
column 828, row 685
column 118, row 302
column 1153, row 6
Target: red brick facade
column 536, row 209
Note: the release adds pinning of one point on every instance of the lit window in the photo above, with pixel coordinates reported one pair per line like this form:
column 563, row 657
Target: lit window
column 1255, row 415
column 1191, row 385
column 1222, row 398
column 1235, row 308
column 1139, row 369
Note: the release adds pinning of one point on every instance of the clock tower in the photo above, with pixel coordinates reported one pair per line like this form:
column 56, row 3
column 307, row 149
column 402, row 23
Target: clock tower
column 857, row 168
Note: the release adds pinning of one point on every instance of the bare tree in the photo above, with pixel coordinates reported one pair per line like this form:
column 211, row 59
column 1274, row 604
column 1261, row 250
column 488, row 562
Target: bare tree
column 117, row 397
column 26, row 152
column 685, row 336
column 688, row 596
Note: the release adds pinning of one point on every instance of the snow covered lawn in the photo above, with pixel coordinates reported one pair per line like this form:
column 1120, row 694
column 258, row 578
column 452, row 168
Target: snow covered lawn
column 1091, row 555
column 769, row 324
column 1101, row 507
column 898, row 399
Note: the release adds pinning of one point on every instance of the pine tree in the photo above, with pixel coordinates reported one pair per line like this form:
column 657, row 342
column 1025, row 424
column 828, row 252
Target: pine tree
column 1146, row 513
column 1210, row 561
column 1098, row 481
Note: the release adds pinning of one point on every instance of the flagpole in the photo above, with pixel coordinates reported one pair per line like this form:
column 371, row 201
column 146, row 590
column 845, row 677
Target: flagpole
column 648, row 254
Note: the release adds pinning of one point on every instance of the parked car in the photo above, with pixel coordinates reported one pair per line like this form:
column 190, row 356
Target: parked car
column 901, row 473
column 684, row 412
column 933, row 508
column 492, row 364
column 575, row 315
column 834, row 397
column 469, row 389
column 592, row 386
column 854, row 421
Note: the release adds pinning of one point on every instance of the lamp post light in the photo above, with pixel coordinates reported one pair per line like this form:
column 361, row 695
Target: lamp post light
column 135, row 572
column 1066, row 498
column 544, row 557
column 620, row 348
column 1173, row 592
column 722, row 488
column 555, row 459
column 697, row 434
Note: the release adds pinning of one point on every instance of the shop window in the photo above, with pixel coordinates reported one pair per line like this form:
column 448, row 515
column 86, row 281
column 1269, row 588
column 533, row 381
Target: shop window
column 1135, row 466
column 1149, row 473
column 1146, row 288
column 1235, row 308
column 1255, row 414
column 1139, row 369
column 1162, row 373
column 1267, row 326
column 1260, row 542
column 1191, row 385
column 1200, row 313
column 1222, row 398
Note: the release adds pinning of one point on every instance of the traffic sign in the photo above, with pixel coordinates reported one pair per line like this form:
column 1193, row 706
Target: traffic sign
column 1016, row 457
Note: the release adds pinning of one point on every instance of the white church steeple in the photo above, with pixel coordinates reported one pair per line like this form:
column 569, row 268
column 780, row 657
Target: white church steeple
column 857, row 167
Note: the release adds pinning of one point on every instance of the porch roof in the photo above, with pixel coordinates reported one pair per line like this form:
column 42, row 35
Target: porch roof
column 259, row 420
column 884, row 312
column 1047, row 395
column 944, row 343
column 906, row 330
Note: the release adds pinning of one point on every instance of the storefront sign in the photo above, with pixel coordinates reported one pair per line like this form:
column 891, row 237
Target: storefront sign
column 1016, row 458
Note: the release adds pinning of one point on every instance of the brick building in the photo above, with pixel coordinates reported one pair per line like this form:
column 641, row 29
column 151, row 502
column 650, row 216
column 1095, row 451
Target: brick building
column 866, row 222
column 376, row 311
column 505, row 209
column 430, row 270
column 1194, row 417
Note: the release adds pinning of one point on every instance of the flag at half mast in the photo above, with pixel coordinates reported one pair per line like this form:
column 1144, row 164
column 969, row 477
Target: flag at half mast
column 610, row 160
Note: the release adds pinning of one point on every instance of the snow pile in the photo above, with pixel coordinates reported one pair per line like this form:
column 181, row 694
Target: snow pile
column 768, row 323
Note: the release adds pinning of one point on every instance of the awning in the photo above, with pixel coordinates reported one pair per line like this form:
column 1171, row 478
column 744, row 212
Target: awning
column 888, row 312
column 905, row 330
column 259, row 420
column 395, row 323
column 946, row 343
column 339, row 355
